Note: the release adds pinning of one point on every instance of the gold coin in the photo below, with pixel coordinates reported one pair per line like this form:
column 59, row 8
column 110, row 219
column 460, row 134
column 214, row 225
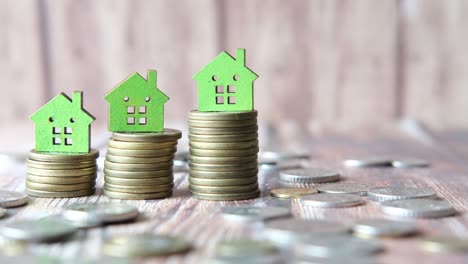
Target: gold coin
column 224, row 146
column 223, row 138
column 139, row 182
column 226, row 197
column 136, row 166
column 222, row 123
column 59, row 166
column 167, row 135
column 223, row 174
column 223, row 131
column 222, row 182
column 138, row 174
column 61, row 180
column 59, row 187
column 223, row 160
column 223, row 167
column 223, row 153
column 93, row 154
column 216, row 116
column 138, row 189
column 122, row 159
column 292, row 192
column 132, row 196
column 439, row 244
column 141, row 153
column 62, row 173
column 141, row 145
column 223, row 189
column 47, row 194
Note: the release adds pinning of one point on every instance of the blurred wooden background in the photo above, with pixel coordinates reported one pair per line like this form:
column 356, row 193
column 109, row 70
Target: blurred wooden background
column 325, row 62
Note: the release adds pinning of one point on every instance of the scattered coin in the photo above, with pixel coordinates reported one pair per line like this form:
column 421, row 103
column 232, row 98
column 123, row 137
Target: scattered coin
column 438, row 244
column 254, row 213
column 165, row 136
column 145, row 245
column 384, row 228
column 246, row 247
column 12, row 199
column 424, row 208
column 104, row 212
column 398, row 193
column 344, row 187
column 369, row 162
column 292, row 192
column 42, row 230
column 410, row 163
column 226, row 197
column 332, row 200
column 309, row 175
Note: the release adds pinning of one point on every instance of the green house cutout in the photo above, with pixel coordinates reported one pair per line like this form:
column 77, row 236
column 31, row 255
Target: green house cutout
column 137, row 105
column 226, row 84
column 62, row 125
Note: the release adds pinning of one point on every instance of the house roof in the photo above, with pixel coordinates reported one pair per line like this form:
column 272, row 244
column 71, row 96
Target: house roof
column 136, row 85
column 62, row 105
column 224, row 62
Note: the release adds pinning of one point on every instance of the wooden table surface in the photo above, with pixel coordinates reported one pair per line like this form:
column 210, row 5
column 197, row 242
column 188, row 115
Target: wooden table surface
column 200, row 222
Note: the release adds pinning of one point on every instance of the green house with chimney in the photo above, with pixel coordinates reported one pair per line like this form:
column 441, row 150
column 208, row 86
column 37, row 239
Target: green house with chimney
column 226, row 84
column 137, row 105
column 62, row 125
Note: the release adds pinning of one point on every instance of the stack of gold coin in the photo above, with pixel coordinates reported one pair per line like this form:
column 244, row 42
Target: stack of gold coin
column 61, row 175
column 223, row 155
column 138, row 166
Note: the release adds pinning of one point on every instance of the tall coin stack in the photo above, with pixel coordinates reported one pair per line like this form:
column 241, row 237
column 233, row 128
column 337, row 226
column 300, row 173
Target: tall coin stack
column 61, row 175
column 223, row 155
column 138, row 166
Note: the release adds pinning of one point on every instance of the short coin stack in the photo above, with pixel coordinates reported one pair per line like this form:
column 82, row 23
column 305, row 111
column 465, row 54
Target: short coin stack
column 138, row 166
column 223, row 155
column 61, row 175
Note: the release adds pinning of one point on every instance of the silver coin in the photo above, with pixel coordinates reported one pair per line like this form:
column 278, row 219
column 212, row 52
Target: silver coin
column 336, row 247
column 254, row 213
column 285, row 231
column 344, row 187
column 410, row 163
column 369, row 162
column 266, row 259
column 12, row 199
column 104, row 212
column 399, row 193
column 42, row 230
column 423, row 208
column 309, row 175
column 2, row 212
column 384, row 228
column 331, row 200
column 246, row 248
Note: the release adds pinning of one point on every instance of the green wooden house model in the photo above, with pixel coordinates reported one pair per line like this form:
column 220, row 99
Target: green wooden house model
column 226, row 84
column 62, row 125
column 137, row 105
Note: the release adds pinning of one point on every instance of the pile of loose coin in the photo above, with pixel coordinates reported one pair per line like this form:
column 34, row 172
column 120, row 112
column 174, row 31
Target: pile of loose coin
column 223, row 155
column 61, row 174
column 139, row 166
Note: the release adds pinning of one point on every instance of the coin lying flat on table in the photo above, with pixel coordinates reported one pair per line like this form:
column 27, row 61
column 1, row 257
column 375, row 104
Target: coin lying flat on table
column 410, row 163
column 384, row 228
column 12, row 199
column 331, row 200
column 439, row 244
column 245, row 247
column 344, row 187
column 292, row 192
column 309, row 175
column 398, row 193
column 423, row 208
column 145, row 245
column 105, row 212
column 254, row 213
column 167, row 135
column 42, row 230
column 369, row 162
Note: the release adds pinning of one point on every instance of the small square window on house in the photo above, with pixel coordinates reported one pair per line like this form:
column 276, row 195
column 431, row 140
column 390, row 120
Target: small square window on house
column 219, row 89
column 68, row 130
column 56, row 141
column 130, row 120
column 219, row 99
column 142, row 121
column 231, row 100
column 130, row 109
column 68, row 141
column 142, row 110
column 231, row 89
column 56, row 130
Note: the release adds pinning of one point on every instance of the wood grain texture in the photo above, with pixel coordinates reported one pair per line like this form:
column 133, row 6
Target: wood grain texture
column 200, row 221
